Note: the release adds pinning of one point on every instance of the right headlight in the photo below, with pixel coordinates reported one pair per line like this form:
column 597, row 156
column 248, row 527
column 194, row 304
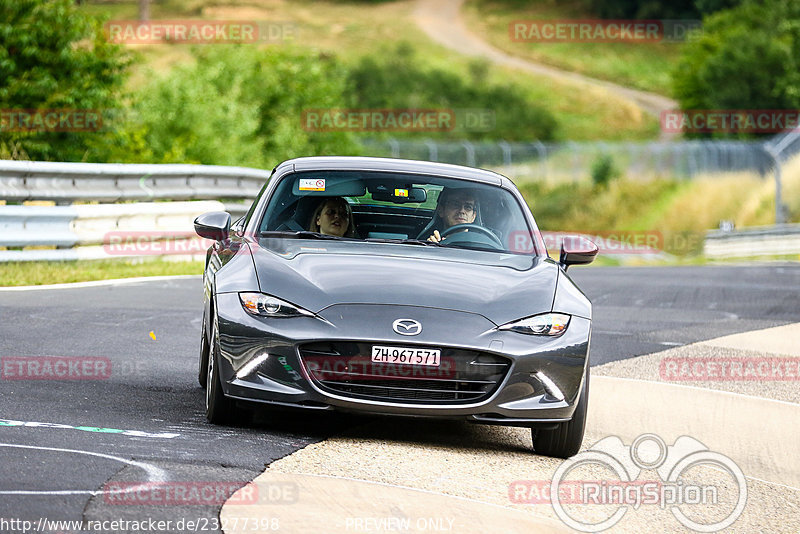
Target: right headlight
column 545, row 324
column 264, row 305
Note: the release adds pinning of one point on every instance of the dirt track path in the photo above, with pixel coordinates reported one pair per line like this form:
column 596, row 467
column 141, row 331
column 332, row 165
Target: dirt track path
column 442, row 21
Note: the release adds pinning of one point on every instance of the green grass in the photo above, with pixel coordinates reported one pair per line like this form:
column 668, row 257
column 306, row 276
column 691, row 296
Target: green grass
column 680, row 212
column 351, row 30
column 58, row 272
column 642, row 65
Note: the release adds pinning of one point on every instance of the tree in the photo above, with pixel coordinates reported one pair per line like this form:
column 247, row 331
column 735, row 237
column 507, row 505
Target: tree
column 53, row 57
column 236, row 105
column 748, row 57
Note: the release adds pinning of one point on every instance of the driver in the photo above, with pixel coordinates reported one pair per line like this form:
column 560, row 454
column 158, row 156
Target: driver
column 454, row 207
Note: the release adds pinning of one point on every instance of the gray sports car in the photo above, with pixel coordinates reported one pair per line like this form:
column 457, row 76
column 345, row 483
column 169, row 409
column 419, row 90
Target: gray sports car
column 395, row 287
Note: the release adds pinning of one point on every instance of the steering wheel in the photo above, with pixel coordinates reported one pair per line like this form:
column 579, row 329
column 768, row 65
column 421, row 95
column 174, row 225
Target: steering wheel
column 473, row 227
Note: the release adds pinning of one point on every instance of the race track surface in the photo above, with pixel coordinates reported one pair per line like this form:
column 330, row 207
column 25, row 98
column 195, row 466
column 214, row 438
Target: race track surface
column 143, row 421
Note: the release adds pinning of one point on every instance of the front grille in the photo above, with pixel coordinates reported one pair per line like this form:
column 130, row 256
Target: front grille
column 345, row 368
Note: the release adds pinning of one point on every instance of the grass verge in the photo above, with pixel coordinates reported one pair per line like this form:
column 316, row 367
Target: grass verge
column 60, row 272
column 643, row 65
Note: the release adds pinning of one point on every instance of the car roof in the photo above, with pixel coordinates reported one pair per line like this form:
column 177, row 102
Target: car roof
column 392, row 165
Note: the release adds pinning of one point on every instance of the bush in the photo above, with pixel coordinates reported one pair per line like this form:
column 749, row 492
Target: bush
column 235, row 106
column 604, row 171
column 53, row 56
column 400, row 80
column 746, row 58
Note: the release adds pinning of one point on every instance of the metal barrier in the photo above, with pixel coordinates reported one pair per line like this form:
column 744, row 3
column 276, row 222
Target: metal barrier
column 115, row 182
column 778, row 240
column 96, row 231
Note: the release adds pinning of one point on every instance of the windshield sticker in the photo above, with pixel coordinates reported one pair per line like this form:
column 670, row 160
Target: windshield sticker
column 312, row 184
column 401, row 192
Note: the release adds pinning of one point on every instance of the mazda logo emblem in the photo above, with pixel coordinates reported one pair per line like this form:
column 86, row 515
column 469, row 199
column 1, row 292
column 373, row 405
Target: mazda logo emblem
column 407, row 327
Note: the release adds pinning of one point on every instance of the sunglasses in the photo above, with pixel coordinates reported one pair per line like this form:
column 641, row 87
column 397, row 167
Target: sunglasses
column 343, row 214
column 468, row 207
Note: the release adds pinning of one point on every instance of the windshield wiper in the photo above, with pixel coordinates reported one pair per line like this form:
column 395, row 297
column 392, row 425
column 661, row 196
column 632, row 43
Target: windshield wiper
column 302, row 234
column 403, row 241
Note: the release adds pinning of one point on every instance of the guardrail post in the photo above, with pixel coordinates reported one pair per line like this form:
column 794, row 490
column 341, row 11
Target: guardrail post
column 433, row 150
column 779, row 218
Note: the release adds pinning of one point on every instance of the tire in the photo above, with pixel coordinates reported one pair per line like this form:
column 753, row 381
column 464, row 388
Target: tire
column 565, row 439
column 202, row 369
column 219, row 408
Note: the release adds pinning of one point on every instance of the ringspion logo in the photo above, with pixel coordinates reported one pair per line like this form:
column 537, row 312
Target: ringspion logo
column 704, row 490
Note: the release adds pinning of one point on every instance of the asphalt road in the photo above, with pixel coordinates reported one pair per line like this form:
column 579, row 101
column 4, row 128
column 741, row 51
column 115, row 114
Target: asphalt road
column 141, row 418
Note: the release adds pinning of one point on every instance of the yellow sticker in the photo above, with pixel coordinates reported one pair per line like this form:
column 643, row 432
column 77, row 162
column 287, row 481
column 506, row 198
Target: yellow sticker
column 311, row 184
column 401, row 192
column 153, row 335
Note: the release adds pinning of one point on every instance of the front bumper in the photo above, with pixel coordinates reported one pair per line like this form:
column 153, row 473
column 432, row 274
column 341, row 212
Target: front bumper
column 261, row 361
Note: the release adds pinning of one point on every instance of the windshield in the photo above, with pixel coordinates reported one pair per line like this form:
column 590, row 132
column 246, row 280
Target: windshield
column 398, row 208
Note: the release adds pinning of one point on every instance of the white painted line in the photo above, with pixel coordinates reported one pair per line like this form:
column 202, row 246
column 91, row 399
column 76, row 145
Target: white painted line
column 13, row 423
column 154, row 474
column 97, row 283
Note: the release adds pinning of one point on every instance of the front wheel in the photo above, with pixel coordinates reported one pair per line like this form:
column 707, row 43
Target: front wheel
column 202, row 369
column 565, row 439
column 219, row 408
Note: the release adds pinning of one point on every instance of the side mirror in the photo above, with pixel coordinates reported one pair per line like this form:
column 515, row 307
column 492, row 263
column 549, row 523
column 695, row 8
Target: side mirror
column 213, row 225
column 577, row 250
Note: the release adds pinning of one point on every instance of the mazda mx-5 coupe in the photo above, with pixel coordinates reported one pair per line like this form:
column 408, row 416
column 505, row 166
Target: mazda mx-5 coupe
column 395, row 287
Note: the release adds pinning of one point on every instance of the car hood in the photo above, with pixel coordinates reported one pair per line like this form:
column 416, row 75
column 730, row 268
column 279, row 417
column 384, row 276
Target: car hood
column 317, row 274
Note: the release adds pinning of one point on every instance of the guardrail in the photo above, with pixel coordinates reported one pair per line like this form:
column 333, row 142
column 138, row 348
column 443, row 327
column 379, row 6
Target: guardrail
column 70, row 231
column 115, row 182
column 96, row 231
column 778, row 240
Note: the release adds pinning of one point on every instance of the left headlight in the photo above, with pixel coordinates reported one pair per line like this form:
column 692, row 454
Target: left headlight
column 546, row 324
column 268, row 306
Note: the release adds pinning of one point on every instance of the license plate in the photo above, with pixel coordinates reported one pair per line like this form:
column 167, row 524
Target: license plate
column 407, row 355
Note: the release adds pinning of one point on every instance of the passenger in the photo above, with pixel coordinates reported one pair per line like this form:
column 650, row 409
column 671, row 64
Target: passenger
column 456, row 207
column 334, row 216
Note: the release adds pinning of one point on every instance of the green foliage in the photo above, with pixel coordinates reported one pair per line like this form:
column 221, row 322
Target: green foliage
column 398, row 79
column 657, row 9
column 604, row 171
column 747, row 58
column 237, row 105
column 52, row 56
column 711, row 6
column 642, row 9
